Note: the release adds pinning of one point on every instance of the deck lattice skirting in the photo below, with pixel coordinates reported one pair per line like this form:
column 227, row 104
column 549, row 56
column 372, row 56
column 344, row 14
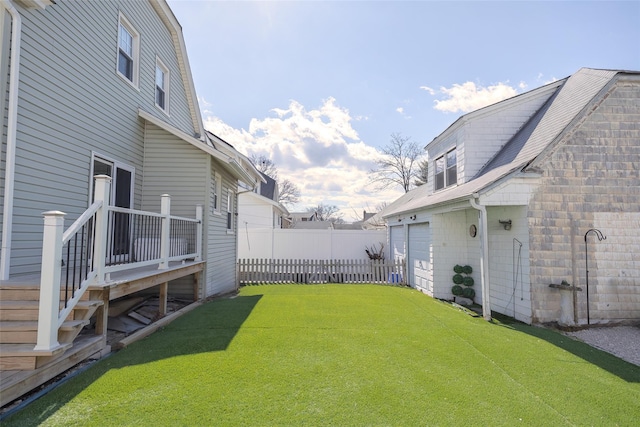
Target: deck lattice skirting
column 253, row 271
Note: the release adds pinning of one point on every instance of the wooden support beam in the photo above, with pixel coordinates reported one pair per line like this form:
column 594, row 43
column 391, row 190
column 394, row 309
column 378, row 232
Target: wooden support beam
column 144, row 332
column 162, row 302
column 121, row 289
column 102, row 313
column 196, row 285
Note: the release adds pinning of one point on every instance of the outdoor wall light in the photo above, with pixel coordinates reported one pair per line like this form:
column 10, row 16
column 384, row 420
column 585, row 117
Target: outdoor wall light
column 413, row 217
column 505, row 223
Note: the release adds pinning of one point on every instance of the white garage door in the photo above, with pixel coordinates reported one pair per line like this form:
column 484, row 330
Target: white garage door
column 396, row 238
column 419, row 264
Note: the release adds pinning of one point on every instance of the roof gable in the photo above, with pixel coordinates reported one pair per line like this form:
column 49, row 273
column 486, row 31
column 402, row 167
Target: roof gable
column 546, row 126
column 168, row 18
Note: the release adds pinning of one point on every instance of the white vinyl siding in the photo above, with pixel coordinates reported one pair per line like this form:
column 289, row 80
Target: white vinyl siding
column 186, row 173
column 174, row 167
column 73, row 102
column 221, row 245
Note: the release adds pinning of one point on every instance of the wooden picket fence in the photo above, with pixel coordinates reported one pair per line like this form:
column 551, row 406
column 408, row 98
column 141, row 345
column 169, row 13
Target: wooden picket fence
column 253, row 271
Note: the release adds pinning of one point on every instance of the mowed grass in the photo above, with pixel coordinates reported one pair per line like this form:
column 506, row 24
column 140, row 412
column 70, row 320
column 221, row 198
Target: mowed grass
column 345, row 355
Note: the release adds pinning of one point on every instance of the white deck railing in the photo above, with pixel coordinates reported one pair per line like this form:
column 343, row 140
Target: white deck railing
column 103, row 240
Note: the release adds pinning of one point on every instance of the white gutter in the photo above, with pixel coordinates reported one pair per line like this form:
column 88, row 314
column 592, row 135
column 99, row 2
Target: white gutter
column 12, row 121
column 484, row 257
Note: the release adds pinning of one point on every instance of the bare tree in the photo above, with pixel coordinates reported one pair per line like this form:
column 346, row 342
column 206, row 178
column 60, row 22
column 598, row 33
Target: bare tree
column 397, row 164
column 288, row 192
column 327, row 213
column 264, row 165
column 423, row 173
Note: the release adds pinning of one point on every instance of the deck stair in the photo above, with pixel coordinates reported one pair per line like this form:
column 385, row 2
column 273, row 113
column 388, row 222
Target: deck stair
column 19, row 308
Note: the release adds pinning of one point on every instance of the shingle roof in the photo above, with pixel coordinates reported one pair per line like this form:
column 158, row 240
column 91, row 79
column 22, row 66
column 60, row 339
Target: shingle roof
column 268, row 188
column 539, row 132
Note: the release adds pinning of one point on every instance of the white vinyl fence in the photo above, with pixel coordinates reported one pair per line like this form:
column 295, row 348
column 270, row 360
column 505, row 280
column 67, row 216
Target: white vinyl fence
column 252, row 271
column 261, row 243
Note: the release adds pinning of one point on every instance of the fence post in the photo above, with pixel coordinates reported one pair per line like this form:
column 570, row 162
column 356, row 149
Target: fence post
column 102, row 188
column 199, row 233
column 165, row 211
column 51, row 269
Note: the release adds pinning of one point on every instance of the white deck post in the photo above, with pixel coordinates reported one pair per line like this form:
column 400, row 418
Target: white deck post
column 199, row 233
column 50, row 281
column 165, row 211
column 102, row 188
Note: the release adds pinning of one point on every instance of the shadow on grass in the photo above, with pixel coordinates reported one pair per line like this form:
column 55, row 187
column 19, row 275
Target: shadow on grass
column 610, row 363
column 208, row 328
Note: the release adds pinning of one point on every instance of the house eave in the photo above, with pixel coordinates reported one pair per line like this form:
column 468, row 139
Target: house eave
column 35, row 4
column 230, row 163
column 470, row 192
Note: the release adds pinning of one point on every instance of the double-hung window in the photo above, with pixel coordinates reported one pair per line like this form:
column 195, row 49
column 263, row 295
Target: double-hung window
column 216, row 186
column 229, row 210
column 452, row 168
column 128, row 51
column 446, row 170
column 162, row 86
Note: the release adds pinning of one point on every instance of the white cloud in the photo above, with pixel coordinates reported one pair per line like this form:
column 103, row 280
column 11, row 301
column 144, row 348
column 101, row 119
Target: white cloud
column 400, row 110
column 545, row 80
column 204, row 104
column 468, row 96
column 428, row 89
column 317, row 149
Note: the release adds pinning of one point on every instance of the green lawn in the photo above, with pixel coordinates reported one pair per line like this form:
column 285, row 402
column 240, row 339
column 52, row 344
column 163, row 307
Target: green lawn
column 345, row 355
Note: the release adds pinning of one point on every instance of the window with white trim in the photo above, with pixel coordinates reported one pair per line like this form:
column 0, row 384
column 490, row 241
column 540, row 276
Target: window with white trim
column 446, row 170
column 128, row 51
column 162, row 86
column 216, row 188
column 229, row 210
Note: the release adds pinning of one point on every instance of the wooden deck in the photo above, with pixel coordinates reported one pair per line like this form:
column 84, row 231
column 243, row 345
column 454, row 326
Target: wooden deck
column 14, row 384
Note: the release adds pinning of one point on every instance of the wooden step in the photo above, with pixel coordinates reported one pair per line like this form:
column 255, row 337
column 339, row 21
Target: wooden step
column 85, row 309
column 28, row 310
column 14, row 384
column 18, row 310
column 29, row 292
column 26, row 332
column 22, row 357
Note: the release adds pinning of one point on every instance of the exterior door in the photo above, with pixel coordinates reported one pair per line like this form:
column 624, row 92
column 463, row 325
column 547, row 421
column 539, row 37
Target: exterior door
column 121, row 195
column 419, row 264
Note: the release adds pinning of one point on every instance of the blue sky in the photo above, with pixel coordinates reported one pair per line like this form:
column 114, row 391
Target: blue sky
column 317, row 86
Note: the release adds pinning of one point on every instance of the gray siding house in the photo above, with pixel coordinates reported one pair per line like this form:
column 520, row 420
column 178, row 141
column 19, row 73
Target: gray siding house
column 104, row 88
column 540, row 195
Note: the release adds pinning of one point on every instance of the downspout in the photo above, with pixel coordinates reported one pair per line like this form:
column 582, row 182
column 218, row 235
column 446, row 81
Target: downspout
column 12, row 121
column 484, row 256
